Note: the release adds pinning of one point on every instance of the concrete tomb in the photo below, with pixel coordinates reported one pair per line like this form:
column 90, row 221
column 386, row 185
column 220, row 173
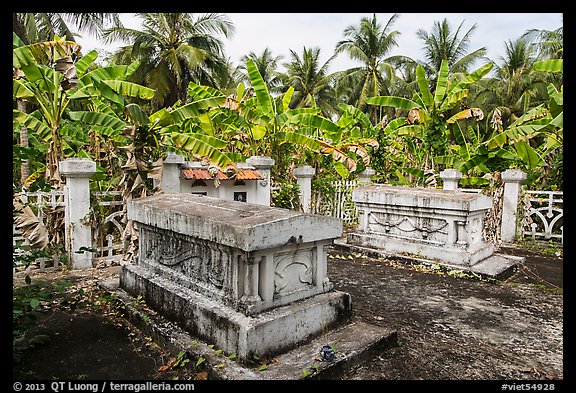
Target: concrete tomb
column 249, row 278
column 443, row 225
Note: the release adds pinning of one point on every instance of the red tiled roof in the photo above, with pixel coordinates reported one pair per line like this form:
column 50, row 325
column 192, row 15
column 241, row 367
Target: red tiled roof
column 204, row 174
column 248, row 174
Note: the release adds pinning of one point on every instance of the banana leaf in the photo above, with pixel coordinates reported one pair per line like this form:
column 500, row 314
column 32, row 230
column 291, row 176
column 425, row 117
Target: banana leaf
column 84, row 62
column 42, row 130
column 471, row 78
column 20, row 90
column 314, row 121
column 98, row 118
column 136, row 114
column 262, row 95
column 120, row 72
column 555, row 66
column 528, row 155
column 441, row 83
column 205, row 97
column 130, row 89
column 395, row 102
column 203, row 146
column 423, row 86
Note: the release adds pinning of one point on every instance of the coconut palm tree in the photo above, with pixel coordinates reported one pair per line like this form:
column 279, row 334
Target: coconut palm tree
column 550, row 43
column 311, row 82
column 443, row 43
column 40, row 27
column 368, row 43
column 174, row 49
column 516, row 87
column 268, row 67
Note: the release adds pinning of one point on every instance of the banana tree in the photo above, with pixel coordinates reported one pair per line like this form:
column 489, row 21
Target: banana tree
column 537, row 135
column 52, row 88
column 45, row 88
column 255, row 123
column 430, row 113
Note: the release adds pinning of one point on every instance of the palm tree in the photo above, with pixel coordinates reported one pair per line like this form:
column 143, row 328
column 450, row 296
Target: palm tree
column 516, row 87
column 174, row 49
column 549, row 43
column 368, row 43
column 445, row 44
column 41, row 27
column 312, row 84
column 268, row 67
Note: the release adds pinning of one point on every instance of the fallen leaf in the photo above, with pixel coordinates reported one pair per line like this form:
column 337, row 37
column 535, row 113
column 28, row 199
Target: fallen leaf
column 201, row 376
column 168, row 365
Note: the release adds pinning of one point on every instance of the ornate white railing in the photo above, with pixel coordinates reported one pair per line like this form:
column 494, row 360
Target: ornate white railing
column 109, row 234
column 545, row 215
column 339, row 202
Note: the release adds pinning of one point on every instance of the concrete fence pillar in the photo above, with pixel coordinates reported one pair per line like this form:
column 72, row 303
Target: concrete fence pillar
column 366, row 175
column 78, row 229
column 304, row 175
column 171, row 173
column 263, row 187
column 512, row 179
column 450, row 179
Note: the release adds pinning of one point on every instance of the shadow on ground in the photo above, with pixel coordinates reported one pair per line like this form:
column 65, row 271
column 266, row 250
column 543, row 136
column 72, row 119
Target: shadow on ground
column 449, row 327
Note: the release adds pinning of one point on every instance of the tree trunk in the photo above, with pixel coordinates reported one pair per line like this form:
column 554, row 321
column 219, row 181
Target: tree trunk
column 25, row 167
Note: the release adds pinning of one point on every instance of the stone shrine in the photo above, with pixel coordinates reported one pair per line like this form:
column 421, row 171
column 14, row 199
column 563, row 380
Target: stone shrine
column 249, row 278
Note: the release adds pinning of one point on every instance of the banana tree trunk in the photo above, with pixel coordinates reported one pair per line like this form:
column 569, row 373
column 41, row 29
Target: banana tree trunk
column 25, row 166
column 53, row 157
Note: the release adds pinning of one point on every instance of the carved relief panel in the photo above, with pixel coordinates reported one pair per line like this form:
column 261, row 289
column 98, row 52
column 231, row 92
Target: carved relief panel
column 196, row 259
column 294, row 271
column 427, row 229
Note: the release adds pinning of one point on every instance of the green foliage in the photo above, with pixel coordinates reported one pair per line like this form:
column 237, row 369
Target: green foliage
column 287, row 196
column 106, row 116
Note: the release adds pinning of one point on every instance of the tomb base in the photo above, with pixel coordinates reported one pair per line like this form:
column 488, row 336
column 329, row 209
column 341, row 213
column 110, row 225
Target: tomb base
column 464, row 257
column 265, row 334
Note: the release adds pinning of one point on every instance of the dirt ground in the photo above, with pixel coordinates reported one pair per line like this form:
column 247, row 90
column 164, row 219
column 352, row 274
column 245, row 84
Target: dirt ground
column 448, row 327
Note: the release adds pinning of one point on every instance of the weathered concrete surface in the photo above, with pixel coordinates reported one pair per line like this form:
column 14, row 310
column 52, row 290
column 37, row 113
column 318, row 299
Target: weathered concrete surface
column 457, row 328
column 444, row 225
column 448, row 328
column 248, row 227
column 264, row 334
column 496, row 266
column 354, row 343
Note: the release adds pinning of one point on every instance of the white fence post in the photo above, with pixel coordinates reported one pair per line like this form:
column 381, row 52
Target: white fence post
column 78, row 230
column 366, row 175
column 304, row 176
column 512, row 179
column 263, row 165
column 450, row 179
column 171, row 172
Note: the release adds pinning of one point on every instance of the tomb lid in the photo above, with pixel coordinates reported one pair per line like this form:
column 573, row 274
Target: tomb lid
column 420, row 197
column 241, row 225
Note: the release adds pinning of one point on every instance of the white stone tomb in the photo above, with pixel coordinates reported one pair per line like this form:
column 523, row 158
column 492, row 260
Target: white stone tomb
column 443, row 225
column 249, row 278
